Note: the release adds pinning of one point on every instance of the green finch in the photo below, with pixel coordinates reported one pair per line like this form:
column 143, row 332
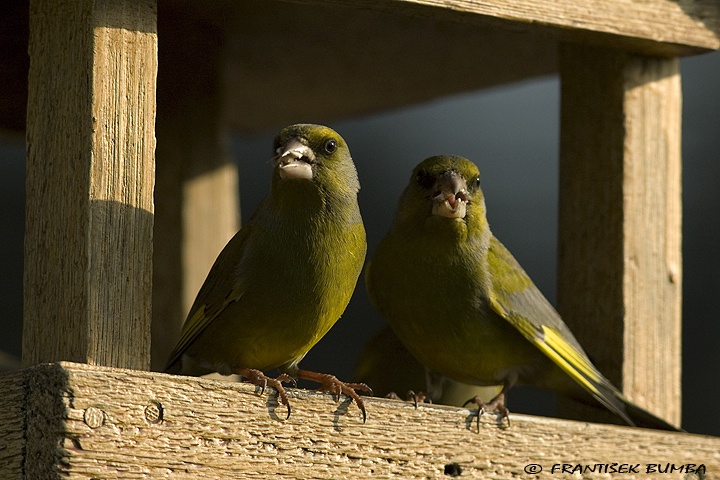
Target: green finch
column 287, row 275
column 465, row 308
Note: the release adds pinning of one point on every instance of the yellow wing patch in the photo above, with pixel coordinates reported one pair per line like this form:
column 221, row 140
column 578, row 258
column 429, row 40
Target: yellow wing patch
column 568, row 358
column 565, row 356
column 577, row 366
column 557, row 349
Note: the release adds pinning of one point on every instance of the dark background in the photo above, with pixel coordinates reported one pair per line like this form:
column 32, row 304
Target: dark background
column 512, row 134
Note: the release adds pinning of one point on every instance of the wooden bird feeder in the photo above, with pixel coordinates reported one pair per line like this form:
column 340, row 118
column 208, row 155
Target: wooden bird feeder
column 111, row 216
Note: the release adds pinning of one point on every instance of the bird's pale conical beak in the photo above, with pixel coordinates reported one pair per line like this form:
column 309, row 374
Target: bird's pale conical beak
column 294, row 160
column 450, row 196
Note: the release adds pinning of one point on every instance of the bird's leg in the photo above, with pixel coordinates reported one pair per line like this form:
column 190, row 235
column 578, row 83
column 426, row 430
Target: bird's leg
column 258, row 378
column 330, row 383
column 496, row 404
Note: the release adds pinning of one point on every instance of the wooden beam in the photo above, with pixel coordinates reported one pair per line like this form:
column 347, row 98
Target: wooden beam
column 90, row 176
column 332, row 78
column 487, row 43
column 619, row 262
column 130, row 424
column 658, row 27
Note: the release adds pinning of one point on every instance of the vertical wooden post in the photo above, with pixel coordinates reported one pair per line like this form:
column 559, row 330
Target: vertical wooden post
column 197, row 185
column 90, row 179
column 619, row 262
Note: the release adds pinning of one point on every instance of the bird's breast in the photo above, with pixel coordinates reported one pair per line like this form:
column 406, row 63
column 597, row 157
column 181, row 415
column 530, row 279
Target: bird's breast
column 436, row 302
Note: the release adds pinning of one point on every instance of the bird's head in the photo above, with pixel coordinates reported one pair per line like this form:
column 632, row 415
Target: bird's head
column 444, row 192
column 315, row 154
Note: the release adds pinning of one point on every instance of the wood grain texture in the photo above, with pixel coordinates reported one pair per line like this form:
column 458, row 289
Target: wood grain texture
column 660, row 27
column 619, row 262
column 12, row 426
column 652, row 370
column 90, row 178
column 116, row 423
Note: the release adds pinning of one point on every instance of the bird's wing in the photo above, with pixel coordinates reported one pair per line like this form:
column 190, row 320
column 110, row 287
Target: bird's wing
column 515, row 298
column 209, row 304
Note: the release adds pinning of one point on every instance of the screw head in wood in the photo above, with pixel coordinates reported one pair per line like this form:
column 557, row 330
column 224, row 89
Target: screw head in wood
column 94, row 417
column 154, row 412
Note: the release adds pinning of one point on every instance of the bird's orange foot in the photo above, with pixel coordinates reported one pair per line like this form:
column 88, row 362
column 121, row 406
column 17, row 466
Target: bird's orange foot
column 497, row 404
column 330, row 383
column 258, row 378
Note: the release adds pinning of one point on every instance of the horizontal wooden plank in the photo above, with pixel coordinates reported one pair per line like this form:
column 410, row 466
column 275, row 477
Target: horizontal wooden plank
column 412, row 50
column 439, row 47
column 324, row 76
column 663, row 27
column 123, row 423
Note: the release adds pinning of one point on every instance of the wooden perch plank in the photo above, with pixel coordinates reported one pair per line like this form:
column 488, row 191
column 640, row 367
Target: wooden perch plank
column 112, row 423
column 90, row 176
column 619, row 262
column 660, row 27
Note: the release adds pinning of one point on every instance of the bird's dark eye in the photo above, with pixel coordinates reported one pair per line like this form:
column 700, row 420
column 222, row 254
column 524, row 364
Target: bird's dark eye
column 424, row 179
column 477, row 181
column 330, row 146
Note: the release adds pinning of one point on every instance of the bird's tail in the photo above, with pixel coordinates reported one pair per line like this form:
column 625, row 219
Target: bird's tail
column 578, row 367
column 642, row 418
column 631, row 414
column 604, row 396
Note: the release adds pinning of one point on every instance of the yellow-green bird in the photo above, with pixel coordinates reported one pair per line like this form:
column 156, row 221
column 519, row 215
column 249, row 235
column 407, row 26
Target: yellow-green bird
column 466, row 309
column 287, row 275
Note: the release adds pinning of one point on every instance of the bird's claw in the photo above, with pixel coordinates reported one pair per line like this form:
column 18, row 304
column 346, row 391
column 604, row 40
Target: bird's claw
column 496, row 404
column 258, row 378
column 330, row 383
column 419, row 397
column 416, row 398
column 285, row 378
